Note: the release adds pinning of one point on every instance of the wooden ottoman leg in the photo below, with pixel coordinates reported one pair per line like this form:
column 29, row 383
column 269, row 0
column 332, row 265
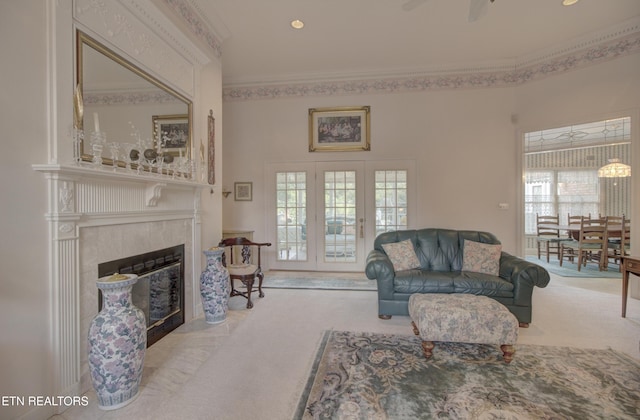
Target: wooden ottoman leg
column 507, row 351
column 415, row 328
column 427, row 348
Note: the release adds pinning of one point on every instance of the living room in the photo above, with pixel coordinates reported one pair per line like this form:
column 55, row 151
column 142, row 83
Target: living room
column 463, row 143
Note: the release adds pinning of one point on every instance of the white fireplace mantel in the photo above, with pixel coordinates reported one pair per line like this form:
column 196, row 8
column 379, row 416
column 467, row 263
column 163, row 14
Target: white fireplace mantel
column 85, row 197
column 152, row 184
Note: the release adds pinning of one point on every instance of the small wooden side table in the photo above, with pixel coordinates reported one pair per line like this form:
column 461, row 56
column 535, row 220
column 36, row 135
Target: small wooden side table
column 629, row 265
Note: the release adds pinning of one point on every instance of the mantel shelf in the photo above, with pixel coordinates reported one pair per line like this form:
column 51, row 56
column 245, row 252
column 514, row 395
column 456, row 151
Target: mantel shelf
column 152, row 181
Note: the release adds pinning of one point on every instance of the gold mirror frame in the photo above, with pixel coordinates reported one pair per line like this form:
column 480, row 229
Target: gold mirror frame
column 83, row 40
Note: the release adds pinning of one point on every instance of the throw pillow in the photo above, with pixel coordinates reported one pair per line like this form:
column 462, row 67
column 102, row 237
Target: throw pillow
column 402, row 255
column 481, row 258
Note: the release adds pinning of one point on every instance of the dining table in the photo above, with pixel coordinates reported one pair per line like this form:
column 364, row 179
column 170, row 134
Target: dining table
column 630, row 264
column 613, row 231
column 573, row 231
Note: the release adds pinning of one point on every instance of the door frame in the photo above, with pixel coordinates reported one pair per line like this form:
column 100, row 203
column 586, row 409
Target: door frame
column 271, row 168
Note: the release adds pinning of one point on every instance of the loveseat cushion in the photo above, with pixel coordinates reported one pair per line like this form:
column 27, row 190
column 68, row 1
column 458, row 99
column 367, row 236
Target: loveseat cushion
column 420, row 281
column 482, row 284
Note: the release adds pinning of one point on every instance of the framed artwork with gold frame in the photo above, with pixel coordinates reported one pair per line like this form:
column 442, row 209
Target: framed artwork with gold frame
column 339, row 129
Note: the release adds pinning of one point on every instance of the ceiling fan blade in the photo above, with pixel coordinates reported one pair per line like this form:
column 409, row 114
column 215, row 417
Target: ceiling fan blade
column 477, row 9
column 412, row 4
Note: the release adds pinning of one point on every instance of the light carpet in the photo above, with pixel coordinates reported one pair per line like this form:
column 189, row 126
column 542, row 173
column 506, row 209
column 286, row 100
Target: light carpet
column 386, row 376
column 570, row 269
column 255, row 365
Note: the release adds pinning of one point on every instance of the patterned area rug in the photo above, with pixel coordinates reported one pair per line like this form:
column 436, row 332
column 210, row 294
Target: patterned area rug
column 378, row 376
column 570, row 269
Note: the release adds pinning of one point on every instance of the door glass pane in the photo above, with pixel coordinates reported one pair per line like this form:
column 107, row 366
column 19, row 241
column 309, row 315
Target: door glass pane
column 291, row 216
column 391, row 200
column 340, row 216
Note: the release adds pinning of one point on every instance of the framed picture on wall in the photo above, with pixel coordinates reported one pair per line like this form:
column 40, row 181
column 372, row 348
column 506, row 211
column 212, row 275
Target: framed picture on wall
column 339, row 129
column 171, row 133
column 243, row 191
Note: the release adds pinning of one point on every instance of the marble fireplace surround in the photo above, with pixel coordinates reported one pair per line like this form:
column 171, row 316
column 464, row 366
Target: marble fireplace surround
column 97, row 216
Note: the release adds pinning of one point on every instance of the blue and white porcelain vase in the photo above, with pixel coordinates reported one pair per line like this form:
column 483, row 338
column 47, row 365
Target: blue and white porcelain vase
column 215, row 287
column 117, row 343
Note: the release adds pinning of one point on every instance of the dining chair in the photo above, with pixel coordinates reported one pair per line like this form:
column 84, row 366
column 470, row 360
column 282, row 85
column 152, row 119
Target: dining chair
column 246, row 270
column 577, row 222
column 548, row 238
column 592, row 240
column 619, row 244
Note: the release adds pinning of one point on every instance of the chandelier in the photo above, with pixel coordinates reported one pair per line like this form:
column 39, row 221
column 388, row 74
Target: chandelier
column 615, row 169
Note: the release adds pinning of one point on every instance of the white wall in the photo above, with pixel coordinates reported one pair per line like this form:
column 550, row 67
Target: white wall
column 24, row 288
column 464, row 142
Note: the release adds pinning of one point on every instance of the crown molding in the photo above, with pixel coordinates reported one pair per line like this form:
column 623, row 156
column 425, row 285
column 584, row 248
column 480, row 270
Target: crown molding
column 609, row 44
column 147, row 12
column 191, row 14
column 575, row 45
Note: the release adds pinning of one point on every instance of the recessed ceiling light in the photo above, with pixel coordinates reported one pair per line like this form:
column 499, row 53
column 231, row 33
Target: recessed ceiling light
column 297, row 24
column 569, row 2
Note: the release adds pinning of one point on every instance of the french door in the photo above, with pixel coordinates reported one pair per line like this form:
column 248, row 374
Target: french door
column 340, row 220
column 324, row 216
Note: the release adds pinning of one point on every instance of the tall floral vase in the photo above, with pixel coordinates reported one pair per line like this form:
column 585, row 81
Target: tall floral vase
column 117, row 343
column 215, row 287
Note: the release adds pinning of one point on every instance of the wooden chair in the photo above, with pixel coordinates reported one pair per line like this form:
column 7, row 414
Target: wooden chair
column 591, row 241
column 246, row 270
column 548, row 236
column 575, row 221
column 618, row 246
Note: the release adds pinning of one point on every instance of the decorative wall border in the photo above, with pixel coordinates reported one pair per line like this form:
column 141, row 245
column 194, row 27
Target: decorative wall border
column 129, row 98
column 552, row 65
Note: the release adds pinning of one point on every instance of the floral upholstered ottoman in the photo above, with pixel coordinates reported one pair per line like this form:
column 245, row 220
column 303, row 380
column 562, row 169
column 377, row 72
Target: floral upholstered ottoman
column 462, row 318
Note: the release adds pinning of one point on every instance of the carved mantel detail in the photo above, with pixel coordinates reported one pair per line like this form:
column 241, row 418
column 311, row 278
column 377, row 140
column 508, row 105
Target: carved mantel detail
column 154, row 191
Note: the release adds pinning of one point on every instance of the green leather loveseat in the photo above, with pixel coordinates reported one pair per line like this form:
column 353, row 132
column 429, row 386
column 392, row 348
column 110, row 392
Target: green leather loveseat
column 440, row 255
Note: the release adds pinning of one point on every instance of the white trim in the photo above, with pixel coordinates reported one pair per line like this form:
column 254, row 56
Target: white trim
column 314, row 213
column 76, row 199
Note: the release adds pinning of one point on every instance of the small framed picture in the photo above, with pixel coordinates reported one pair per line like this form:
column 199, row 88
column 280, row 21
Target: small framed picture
column 243, row 191
column 171, row 133
column 339, row 129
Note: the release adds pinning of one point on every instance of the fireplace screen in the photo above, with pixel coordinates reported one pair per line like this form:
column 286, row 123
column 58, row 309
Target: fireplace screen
column 159, row 291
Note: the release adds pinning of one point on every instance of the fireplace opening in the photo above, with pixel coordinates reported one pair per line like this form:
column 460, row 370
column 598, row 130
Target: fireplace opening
column 159, row 291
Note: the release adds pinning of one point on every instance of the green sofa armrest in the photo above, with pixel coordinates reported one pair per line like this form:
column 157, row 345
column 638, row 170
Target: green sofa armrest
column 524, row 275
column 380, row 268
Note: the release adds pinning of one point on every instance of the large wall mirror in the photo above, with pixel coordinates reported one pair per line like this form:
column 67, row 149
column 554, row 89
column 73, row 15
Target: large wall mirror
column 129, row 118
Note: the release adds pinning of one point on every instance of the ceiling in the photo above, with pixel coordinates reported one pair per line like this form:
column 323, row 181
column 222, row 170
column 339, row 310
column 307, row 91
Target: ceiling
column 352, row 38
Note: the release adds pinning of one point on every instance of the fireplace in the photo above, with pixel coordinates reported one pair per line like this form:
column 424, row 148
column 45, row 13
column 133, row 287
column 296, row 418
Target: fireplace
column 98, row 217
column 159, row 291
